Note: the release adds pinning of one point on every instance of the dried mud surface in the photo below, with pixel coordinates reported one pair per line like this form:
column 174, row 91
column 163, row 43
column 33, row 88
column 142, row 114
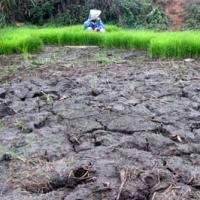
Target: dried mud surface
column 96, row 124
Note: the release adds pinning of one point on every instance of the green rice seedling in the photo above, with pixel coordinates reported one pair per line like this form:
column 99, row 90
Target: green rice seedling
column 49, row 35
column 77, row 28
column 65, row 39
column 46, row 97
column 142, row 40
column 175, row 44
column 112, row 28
column 20, row 44
column 129, row 39
column 70, row 38
column 159, row 44
column 77, row 38
column 30, row 45
column 155, row 49
column 91, row 38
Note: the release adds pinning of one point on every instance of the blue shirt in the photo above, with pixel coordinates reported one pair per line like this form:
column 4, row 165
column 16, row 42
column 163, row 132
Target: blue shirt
column 89, row 24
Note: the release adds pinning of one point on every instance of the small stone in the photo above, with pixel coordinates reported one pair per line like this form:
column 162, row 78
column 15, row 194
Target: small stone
column 133, row 102
column 189, row 60
column 118, row 107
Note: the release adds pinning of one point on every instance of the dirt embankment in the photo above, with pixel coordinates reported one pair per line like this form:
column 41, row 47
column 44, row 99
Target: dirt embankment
column 115, row 125
column 175, row 10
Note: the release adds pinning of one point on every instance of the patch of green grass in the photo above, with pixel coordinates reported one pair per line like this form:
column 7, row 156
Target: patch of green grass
column 102, row 59
column 46, row 97
column 158, row 44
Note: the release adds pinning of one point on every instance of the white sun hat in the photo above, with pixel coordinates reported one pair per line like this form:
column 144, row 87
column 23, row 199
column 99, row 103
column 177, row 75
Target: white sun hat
column 94, row 14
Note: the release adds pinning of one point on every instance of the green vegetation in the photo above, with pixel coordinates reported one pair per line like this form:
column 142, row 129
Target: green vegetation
column 193, row 16
column 158, row 44
column 102, row 59
column 1, row 124
column 12, row 154
column 176, row 44
column 18, row 41
column 47, row 97
column 20, row 125
column 126, row 13
column 137, row 14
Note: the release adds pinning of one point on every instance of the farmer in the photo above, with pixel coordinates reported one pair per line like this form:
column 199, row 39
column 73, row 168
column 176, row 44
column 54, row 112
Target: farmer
column 94, row 23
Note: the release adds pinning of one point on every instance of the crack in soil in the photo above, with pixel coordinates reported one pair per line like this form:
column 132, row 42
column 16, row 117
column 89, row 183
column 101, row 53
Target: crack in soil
column 124, row 130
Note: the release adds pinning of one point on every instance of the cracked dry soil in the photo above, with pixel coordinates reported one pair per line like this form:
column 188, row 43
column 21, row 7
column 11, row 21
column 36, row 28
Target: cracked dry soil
column 80, row 127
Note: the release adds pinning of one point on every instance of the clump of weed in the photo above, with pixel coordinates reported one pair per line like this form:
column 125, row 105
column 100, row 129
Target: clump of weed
column 20, row 125
column 2, row 125
column 46, row 97
column 102, row 59
column 12, row 154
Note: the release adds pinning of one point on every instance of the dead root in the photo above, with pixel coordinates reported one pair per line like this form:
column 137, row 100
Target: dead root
column 47, row 176
column 126, row 175
column 82, row 174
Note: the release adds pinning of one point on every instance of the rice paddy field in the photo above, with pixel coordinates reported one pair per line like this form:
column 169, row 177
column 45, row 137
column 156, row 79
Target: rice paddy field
column 99, row 116
column 158, row 44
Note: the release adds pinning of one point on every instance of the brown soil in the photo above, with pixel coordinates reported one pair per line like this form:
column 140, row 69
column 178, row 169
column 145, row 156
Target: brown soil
column 175, row 9
column 97, row 124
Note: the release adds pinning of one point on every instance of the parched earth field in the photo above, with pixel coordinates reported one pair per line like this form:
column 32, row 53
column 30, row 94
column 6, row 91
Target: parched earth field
column 85, row 123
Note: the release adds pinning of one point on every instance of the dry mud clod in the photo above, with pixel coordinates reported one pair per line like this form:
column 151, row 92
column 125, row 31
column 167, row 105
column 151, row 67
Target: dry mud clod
column 125, row 130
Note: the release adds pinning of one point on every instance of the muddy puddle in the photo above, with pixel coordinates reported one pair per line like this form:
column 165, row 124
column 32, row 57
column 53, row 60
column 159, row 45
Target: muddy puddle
column 96, row 124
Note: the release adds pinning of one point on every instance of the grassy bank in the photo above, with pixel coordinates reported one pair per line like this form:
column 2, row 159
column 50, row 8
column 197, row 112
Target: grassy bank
column 158, row 44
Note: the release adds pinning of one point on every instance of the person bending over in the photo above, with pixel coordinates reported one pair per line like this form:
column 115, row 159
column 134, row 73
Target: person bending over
column 94, row 23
